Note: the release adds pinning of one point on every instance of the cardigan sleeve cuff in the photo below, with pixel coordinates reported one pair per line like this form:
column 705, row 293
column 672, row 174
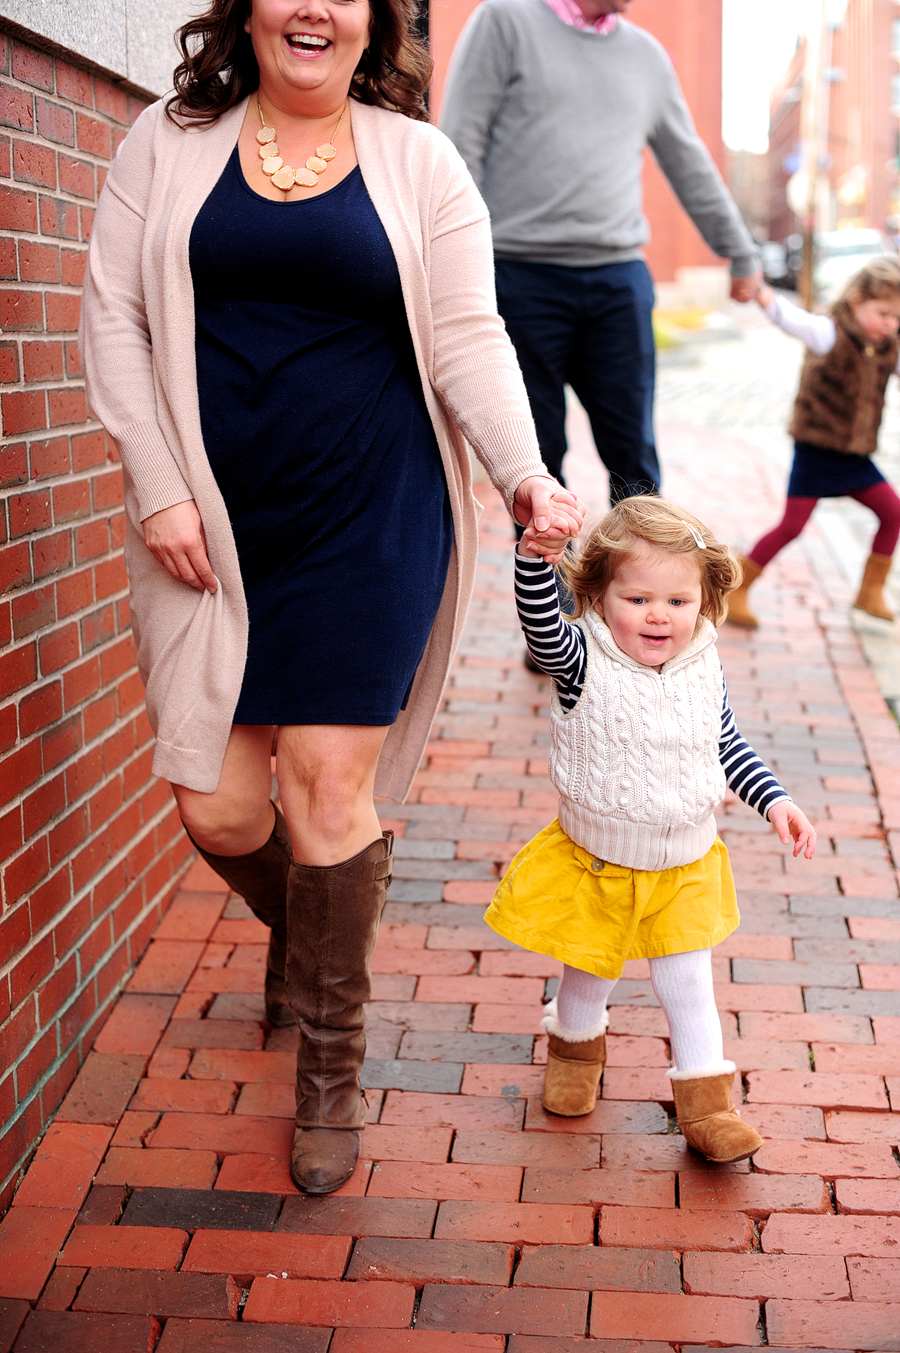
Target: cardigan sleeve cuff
column 509, row 452
column 156, row 479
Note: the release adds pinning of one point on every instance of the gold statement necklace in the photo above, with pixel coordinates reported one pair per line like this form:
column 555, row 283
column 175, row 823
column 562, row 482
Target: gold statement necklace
column 281, row 174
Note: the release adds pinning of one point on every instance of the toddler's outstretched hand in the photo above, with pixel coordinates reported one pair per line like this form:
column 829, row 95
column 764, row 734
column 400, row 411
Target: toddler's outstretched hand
column 791, row 822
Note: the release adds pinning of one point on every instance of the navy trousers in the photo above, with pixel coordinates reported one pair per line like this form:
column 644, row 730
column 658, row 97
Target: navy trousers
column 589, row 328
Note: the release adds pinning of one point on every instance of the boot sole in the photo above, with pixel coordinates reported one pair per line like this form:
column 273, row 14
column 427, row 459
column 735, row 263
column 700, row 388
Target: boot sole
column 559, row 1113
column 727, row 1160
column 304, row 1188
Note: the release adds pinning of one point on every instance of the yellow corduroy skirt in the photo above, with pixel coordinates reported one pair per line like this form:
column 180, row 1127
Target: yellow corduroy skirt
column 560, row 900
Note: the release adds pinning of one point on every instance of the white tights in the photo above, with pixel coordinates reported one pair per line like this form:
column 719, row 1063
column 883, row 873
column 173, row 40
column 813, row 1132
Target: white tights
column 683, row 985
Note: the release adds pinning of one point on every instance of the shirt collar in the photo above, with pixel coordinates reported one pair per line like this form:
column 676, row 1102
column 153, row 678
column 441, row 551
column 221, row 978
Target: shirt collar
column 568, row 11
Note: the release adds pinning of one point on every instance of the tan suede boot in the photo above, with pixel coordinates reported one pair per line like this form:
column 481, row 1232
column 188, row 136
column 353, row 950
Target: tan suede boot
column 739, row 612
column 871, row 595
column 575, row 1064
column 333, row 915
column 260, row 878
column 708, row 1119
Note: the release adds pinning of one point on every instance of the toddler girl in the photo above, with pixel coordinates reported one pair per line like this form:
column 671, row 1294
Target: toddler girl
column 643, row 743
column 850, row 355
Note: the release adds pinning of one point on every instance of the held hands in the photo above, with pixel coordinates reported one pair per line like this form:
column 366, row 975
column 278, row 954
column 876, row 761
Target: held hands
column 791, row 823
column 746, row 288
column 175, row 537
column 554, row 516
column 764, row 296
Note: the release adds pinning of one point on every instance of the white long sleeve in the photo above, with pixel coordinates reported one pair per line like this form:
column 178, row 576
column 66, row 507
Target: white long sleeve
column 816, row 331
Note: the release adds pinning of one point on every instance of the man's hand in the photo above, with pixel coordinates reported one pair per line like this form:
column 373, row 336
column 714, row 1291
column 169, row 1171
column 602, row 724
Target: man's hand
column 790, row 823
column 745, row 288
column 175, row 537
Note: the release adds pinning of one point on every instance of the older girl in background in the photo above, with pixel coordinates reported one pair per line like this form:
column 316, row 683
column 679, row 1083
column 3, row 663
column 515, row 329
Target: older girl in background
column 851, row 353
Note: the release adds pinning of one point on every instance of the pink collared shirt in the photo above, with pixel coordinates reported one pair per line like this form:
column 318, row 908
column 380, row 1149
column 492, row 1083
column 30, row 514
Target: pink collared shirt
column 568, row 11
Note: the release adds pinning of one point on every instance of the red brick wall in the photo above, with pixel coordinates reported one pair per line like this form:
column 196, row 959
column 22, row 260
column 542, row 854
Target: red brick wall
column 90, row 843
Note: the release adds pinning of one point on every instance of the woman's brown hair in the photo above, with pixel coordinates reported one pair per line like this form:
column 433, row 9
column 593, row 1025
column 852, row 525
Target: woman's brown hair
column 219, row 68
column 643, row 520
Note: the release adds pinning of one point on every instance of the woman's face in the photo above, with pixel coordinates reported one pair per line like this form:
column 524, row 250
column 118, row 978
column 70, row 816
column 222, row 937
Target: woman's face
column 307, row 46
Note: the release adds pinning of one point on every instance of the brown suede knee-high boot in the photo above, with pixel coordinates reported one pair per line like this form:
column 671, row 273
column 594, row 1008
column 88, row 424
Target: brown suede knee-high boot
column 333, row 914
column 260, row 878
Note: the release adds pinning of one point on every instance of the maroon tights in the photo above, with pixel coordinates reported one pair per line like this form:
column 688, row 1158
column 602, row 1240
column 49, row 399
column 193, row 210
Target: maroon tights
column 880, row 499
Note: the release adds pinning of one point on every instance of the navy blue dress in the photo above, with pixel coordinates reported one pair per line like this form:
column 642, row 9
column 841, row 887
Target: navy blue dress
column 319, row 438
column 819, row 472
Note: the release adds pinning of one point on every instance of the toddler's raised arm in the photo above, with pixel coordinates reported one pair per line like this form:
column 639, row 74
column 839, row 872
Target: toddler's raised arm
column 557, row 646
column 817, row 332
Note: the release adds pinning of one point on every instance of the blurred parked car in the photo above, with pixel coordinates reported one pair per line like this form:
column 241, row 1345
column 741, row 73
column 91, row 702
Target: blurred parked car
column 794, row 246
column 840, row 254
column 774, row 263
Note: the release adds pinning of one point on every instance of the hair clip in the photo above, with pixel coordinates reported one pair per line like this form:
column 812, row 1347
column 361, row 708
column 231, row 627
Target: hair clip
column 698, row 539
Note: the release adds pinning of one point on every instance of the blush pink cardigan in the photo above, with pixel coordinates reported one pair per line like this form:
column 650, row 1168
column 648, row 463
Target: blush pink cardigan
column 137, row 344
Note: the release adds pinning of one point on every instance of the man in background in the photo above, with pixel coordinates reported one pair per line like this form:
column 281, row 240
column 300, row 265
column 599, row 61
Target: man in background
column 551, row 103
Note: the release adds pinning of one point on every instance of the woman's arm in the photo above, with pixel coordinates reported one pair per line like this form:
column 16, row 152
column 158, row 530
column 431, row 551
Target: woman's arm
column 114, row 338
column 474, row 366
column 115, row 345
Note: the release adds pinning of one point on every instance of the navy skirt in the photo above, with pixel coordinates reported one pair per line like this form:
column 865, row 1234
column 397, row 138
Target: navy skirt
column 318, row 434
column 818, row 472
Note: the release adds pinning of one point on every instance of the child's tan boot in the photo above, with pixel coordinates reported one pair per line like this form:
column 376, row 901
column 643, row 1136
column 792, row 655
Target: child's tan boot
column 739, row 612
column 871, row 595
column 707, row 1117
column 575, row 1064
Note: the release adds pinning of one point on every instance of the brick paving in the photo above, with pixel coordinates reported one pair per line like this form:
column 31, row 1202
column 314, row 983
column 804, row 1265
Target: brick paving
column 159, row 1213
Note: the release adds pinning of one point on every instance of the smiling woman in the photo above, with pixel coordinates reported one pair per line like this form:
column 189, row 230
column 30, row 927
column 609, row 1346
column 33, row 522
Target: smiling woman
column 289, row 327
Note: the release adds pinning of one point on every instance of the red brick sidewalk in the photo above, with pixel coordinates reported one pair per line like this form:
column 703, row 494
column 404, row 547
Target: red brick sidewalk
column 159, row 1213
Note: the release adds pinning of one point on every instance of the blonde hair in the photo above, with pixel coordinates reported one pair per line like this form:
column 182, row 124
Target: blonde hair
column 877, row 281
column 633, row 522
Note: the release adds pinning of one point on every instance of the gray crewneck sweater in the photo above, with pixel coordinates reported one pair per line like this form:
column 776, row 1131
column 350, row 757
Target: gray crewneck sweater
column 553, row 120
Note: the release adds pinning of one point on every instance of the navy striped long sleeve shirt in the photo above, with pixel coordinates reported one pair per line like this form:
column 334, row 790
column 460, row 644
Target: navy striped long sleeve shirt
column 560, row 650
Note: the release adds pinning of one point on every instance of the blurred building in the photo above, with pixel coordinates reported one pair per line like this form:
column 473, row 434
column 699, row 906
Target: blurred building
column 691, row 32
column 748, row 179
column 784, row 145
column 861, row 100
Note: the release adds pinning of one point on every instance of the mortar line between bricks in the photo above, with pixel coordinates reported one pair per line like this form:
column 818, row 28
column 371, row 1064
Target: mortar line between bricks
column 762, row 1325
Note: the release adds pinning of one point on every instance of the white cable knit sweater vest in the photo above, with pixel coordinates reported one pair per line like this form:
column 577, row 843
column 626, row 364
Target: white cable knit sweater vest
column 636, row 762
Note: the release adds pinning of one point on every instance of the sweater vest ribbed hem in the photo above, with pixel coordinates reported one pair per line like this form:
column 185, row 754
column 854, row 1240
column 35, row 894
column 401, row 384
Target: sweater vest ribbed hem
column 636, row 845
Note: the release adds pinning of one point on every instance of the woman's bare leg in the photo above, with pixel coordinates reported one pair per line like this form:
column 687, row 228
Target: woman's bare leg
column 237, row 817
column 326, row 777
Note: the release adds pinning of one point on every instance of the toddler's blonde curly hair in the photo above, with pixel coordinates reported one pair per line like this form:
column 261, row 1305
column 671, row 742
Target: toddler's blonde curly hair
column 589, row 569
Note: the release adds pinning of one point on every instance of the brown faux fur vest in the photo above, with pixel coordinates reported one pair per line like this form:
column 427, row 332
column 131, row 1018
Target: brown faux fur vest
column 841, row 396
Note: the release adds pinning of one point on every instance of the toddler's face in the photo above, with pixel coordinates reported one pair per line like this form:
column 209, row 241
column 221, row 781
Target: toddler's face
column 651, row 605
column 878, row 318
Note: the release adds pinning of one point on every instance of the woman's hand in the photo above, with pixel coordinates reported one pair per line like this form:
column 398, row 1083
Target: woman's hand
column 539, row 499
column 792, row 824
column 551, row 514
column 175, row 537
column 554, row 517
